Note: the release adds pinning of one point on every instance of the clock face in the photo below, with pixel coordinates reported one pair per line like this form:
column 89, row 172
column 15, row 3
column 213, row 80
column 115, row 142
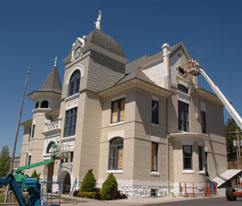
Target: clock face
column 77, row 52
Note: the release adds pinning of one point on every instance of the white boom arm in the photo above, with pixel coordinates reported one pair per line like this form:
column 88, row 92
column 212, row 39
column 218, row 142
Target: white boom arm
column 196, row 70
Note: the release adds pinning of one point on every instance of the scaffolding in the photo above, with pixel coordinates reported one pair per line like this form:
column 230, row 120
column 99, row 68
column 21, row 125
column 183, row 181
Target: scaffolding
column 51, row 193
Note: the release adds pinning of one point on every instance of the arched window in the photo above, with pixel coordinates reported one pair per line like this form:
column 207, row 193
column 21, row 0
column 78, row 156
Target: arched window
column 49, row 147
column 37, row 105
column 182, row 88
column 74, row 83
column 44, row 104
column 116, row 154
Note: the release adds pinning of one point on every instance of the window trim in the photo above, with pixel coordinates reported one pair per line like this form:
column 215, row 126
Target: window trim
column 47, row 151
column 30, row 133
column 157, row 157
column 76, row 81
column 182, row 88
column 116, row 147
column 155, row 113
column 44, row 104
column 191, row 158
column 187, row 122
column 118, row 110
column 70, row 117
column 200, row 158
column 37, row 105
column 29, row 159
column 33, row 130
column 71, row 156
column 203, row 122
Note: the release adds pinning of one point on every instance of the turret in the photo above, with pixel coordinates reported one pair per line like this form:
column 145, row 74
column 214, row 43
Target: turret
column 48, row 96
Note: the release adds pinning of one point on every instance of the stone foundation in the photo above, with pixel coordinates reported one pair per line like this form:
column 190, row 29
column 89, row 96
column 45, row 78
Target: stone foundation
column 141, row 189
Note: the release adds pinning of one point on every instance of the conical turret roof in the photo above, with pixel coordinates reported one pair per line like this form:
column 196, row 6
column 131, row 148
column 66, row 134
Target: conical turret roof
column 52, row 82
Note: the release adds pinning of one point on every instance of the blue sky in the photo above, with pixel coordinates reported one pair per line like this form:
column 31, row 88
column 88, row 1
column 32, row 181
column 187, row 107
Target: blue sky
column 32, row 33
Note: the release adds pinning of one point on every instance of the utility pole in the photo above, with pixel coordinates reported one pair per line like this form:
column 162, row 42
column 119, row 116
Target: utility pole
column 17, row 130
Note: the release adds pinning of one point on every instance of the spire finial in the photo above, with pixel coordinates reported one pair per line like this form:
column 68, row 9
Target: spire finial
column 55, row 61
column 99, row 19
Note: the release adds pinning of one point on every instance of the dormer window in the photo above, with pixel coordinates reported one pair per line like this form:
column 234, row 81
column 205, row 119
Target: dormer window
column 44, row 104
column 74, row 83
column 182, row 88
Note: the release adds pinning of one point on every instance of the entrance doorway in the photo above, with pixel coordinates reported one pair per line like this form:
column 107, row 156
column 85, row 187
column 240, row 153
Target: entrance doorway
column 67, row 184
column 50, row 168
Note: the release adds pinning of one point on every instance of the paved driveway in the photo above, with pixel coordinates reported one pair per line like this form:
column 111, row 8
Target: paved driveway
column 161, row 201
column 219, row 201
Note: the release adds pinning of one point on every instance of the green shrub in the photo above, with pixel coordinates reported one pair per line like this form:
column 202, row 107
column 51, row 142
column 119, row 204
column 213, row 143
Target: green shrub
column 92, row 195
column 87, row 194
column 97, row 195
column 89, row 182
column 109, row 188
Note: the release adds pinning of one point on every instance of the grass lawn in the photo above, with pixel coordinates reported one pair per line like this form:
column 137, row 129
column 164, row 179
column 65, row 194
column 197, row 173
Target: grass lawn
column 1, row 197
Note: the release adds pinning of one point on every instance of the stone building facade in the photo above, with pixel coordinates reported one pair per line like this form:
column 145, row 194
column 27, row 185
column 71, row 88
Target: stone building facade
column 146, row 121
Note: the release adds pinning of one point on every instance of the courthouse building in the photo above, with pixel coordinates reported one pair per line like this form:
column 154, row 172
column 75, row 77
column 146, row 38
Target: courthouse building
column 146, row 121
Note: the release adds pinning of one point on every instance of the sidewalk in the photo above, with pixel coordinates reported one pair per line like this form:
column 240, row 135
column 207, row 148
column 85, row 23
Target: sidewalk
column 126, row 202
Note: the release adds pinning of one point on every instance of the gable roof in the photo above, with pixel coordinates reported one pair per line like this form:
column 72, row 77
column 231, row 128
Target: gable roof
column 133, row 69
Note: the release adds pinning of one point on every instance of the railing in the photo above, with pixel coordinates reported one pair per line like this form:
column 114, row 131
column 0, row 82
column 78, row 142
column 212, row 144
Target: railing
column 51, row 125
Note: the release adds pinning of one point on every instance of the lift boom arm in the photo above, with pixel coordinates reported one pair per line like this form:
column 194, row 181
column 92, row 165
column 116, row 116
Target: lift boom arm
column 9, row 179
column 19, row 169
column 198, row 70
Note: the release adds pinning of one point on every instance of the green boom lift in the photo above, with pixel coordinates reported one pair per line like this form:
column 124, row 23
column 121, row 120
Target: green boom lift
column 20, row 176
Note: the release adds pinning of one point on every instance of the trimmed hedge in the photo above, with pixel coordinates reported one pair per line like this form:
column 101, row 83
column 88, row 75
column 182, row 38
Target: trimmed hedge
column 87, row 194
column 109, row 188
column 91, row 195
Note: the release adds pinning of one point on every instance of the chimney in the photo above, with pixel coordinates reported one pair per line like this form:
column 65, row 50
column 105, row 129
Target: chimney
column 166, row 61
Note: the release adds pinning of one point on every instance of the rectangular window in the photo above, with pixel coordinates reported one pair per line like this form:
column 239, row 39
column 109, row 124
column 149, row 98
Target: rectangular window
column 200, row 158
column 206, row 163
column 33, row 130
column 70, row 122
column 203, row 118
column 29, row 160
column 154, row 157
column 187, row 157
column 118, row 109
column 71, row 157
column 183, row 116
column 155, row 112
column 29, row 134
column 116, row 154
column 116, row 158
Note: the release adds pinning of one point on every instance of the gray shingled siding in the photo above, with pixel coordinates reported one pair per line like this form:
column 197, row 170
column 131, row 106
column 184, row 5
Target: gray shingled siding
column 103, row 72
